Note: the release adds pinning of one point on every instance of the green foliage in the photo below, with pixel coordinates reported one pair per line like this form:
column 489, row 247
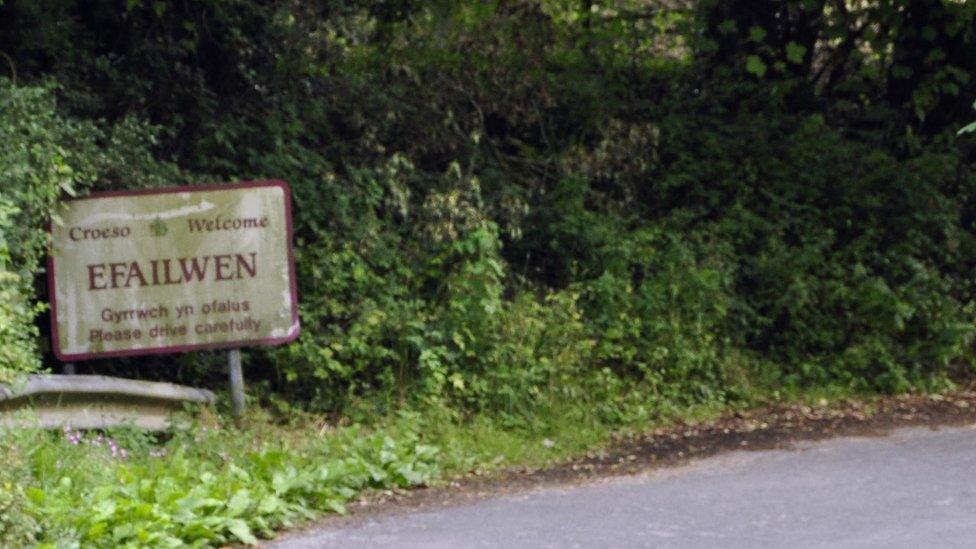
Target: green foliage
column 606, row 210
column 45, row 157
column 35, row 168
column 839, row 247
column 18, row 352
column 543, row 217
column 660, row 319
column 203, row 487
column 681, row 198
column 17, row 525
column 903, row 58
column 755, row 65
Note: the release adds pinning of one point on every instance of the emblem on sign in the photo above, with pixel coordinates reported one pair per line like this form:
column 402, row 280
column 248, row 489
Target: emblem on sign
column 158, row 228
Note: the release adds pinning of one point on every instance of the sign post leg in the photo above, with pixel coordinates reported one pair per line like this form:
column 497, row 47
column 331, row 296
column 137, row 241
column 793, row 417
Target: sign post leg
column 236, row 383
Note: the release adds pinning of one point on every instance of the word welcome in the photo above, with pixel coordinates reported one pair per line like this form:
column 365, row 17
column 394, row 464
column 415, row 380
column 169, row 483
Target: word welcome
column 232, row 224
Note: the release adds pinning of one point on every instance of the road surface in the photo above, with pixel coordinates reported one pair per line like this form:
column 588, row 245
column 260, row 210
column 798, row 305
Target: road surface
column 913, row 488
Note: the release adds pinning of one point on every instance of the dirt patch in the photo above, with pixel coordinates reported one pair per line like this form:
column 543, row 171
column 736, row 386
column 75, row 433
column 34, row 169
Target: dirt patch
column 767, row 428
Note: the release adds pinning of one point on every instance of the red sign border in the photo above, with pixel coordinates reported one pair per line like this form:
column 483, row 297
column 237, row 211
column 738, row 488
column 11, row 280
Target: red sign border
column 293, row 283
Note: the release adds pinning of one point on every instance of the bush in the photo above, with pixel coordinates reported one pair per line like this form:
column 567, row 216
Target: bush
column 205, row 486
column 45, row 157
column 36, row 160
column 686, row 200
column 838, row 245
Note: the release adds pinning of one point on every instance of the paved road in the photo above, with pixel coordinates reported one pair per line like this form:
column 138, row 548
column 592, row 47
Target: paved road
column 913, row 488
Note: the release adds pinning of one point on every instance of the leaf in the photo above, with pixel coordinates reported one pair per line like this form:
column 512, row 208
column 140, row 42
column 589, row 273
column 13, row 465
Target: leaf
column 457, row 381
column 727, row 27
column 270, row 505
column 241, row 531
column 103, row 510
column 755, row 66
column 238, row 503
column 411, row 475
column 97, row 530
column 336, row 506
column 795, row 53
column 36, row 495
column 756, row 34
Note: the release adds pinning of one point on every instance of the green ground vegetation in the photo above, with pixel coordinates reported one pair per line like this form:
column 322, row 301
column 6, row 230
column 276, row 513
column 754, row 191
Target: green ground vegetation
column 608, row 211
column 210, row 483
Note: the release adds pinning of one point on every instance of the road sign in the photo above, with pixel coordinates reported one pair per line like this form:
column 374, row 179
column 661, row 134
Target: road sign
column 171, row 270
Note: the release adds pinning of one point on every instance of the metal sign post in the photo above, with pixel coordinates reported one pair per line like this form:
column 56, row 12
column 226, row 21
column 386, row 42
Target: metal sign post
column 236, row 376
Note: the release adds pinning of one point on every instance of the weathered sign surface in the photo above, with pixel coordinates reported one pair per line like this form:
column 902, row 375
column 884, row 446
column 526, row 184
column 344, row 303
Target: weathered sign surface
column 169, row 270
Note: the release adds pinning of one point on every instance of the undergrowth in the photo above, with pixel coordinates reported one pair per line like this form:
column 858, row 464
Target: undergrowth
column 207, row 483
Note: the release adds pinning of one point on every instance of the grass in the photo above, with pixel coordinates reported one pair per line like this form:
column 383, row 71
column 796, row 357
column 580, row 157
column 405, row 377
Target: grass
column 210, row 484
column 206, row 485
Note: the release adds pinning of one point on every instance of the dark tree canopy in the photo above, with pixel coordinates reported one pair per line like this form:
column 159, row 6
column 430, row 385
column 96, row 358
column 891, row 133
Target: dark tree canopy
column 499, row 199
